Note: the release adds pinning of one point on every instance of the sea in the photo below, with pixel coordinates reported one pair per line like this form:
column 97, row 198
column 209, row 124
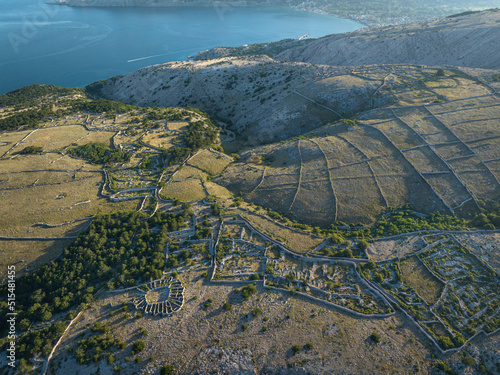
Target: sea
column 75, row 46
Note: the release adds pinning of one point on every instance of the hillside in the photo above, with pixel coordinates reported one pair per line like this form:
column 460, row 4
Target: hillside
column 131, row 256
column 421, row 135
column 456, row 40
column 258, row 97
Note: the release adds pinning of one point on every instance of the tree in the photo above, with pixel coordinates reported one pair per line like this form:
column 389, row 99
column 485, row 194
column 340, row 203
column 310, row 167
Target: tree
column 337, row 238
column 248, row 291
column 375, row 337
column 296, row 349
column 138, row 347
column 227, row 306
column 257, row 312
column 363, row 245
column 24, row 367
column 167, row 370
column 24, row 324
column 31, row 150
column 58, row 328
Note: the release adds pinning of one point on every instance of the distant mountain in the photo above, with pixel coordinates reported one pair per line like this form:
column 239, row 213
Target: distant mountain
column 369, row 12
column 469, row 39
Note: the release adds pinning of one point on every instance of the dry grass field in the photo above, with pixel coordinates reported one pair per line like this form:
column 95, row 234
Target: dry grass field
column 296, row 241
column 402, row 136
column 22, row 209
column 177, row 125
column 187, row 172
column 211, row 161
column 9, row 139
column 187, row 191
column 48, row 161
column 218, row 191
column 29, row 255
column 417, row 277
column 159, row 139
column 59, row 137
column 29, row 179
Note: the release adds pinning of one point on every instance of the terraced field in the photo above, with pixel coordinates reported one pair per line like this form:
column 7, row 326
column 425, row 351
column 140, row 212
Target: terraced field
column 436, row 147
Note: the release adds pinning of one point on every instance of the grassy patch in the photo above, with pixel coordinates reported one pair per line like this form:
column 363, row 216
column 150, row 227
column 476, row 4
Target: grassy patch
column 417, row 277
column 186, row 191
column 212, row 162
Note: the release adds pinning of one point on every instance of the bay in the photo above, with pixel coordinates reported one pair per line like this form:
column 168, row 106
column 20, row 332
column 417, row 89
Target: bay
column 52, row 44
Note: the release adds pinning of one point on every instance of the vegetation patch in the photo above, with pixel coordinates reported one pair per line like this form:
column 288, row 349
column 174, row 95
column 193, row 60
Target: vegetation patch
column 99, row 153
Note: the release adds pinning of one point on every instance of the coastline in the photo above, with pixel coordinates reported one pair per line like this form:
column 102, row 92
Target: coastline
column 217, row 4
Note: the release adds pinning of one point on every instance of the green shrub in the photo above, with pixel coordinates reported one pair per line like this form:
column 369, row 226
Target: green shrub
column 375, row 337
column 167, row 370
column 468, row 360
column 31, row 150
column 248, row 291
column 138, row 347
column 362, row 245
column 443, row 367
column 256, row 312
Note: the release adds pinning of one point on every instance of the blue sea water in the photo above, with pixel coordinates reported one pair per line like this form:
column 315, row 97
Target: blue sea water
column 41, row 43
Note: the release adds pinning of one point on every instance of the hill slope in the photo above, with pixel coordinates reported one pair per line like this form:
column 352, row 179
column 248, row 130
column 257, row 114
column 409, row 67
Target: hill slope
column 423, row 135
column 262, row 100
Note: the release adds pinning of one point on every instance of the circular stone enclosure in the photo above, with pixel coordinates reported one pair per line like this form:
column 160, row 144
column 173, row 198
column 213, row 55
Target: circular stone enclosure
column 158, row 294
